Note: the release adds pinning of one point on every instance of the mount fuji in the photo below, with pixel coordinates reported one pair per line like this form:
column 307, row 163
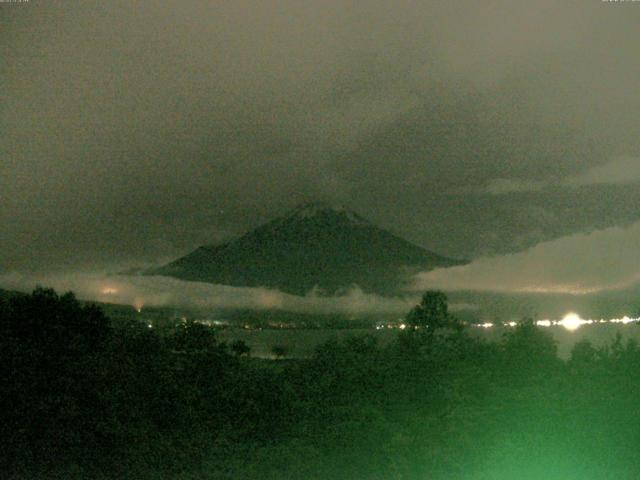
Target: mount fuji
column 313, row 246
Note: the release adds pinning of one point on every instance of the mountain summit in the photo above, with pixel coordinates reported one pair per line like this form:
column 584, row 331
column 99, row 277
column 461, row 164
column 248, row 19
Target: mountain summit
column 309, row 210
column 314, row 245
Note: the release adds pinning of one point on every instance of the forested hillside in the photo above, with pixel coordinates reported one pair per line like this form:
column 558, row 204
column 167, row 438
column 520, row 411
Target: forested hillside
column 82, row 397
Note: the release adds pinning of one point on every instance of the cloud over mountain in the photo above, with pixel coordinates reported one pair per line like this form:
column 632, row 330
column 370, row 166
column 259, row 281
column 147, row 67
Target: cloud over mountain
column 136, row 132
column 603, row 260
column 170, row 292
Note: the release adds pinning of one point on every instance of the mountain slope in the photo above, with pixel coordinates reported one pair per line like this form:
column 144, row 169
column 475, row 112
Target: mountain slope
column 314, row 245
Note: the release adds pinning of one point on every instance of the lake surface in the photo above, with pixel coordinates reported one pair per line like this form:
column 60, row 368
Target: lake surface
column 302, row 343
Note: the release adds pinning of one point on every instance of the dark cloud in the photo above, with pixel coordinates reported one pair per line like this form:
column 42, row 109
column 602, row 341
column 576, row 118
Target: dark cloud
column 134, row 132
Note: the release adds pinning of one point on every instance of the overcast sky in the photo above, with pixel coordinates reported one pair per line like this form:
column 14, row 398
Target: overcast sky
column 133, row 132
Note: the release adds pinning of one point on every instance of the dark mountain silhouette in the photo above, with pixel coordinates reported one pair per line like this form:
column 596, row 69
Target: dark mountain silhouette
column 315, row 245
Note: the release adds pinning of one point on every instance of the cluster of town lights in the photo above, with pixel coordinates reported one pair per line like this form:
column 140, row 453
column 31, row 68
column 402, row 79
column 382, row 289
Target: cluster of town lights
column 571, row 322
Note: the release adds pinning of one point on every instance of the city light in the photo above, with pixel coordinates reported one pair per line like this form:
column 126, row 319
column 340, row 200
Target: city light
column 572, row 321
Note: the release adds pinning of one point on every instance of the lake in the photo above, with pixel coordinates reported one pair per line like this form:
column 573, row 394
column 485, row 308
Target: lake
column 302, row 342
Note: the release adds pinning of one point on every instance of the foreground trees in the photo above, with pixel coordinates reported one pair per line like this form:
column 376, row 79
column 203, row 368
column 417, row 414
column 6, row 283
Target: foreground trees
column 81, row 398
column 432, row 313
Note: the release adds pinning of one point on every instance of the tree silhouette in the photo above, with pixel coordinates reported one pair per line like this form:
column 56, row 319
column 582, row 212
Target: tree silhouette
column 240, row 348
column 431, row 313
column 191, row 337
column 528, row 342
column 583, row 354
column 279, row 351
